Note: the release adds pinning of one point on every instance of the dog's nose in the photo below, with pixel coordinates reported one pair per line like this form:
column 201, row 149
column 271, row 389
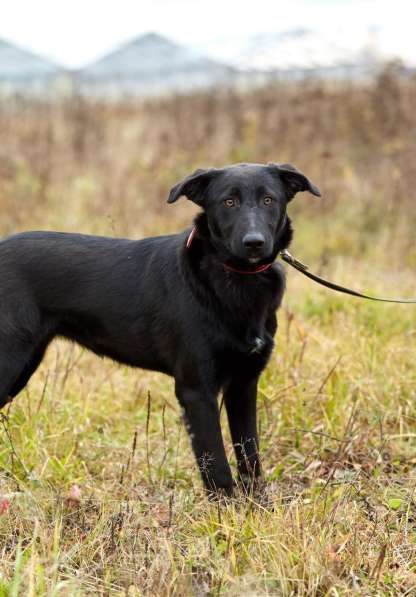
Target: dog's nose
column 253, row 240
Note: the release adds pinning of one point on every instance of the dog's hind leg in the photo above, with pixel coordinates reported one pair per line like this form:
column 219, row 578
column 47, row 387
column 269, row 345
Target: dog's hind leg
column 28, row 370
column 12, row 364
column 17, row 365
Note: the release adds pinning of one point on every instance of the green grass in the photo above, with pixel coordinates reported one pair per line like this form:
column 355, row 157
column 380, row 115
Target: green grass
column 336, row 514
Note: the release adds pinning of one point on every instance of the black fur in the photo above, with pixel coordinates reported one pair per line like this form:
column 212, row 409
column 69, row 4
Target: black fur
column 157, row 305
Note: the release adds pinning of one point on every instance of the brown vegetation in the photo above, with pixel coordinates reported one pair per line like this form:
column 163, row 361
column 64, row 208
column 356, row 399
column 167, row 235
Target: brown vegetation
column 98, row 490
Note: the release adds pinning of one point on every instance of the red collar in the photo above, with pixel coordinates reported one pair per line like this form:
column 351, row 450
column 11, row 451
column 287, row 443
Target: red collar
column 257, row 270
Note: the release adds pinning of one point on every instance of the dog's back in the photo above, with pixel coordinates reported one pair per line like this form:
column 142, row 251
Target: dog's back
column 103, row 293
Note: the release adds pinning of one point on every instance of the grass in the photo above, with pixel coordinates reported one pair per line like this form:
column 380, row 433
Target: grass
column 99, row 493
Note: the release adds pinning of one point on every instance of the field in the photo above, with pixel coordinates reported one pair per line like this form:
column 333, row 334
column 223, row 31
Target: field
column 99, row 493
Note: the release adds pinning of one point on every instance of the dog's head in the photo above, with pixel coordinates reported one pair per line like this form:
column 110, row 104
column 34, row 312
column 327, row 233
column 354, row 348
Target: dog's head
column 245, row 205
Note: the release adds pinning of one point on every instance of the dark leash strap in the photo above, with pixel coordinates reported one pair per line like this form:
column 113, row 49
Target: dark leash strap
column 303, row 269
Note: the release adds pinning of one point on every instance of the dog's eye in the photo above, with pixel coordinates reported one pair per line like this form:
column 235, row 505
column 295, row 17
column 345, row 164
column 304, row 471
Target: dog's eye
column 267, row 200
column 229, row 202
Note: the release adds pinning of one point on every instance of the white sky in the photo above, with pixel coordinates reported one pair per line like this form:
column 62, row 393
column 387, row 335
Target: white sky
column 74, row 32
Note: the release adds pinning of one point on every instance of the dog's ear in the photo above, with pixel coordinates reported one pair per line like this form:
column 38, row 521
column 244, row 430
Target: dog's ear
column 293, row 180
column 193, row 186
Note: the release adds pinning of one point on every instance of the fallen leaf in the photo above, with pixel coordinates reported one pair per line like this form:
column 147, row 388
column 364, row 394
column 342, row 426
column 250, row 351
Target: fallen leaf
column 162, row 516
column 4, row 505
column 395, row 503
column 74, row 497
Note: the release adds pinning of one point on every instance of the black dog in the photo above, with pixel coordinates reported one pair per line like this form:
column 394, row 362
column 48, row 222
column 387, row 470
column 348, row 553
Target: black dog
column 200, row 307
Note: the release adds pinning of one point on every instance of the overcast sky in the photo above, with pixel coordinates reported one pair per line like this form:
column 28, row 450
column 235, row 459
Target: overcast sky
column 75, row 32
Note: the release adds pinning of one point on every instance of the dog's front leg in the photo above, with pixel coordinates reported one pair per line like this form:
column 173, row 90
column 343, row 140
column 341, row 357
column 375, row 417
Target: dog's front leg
column 202, row 418
column 240, row 397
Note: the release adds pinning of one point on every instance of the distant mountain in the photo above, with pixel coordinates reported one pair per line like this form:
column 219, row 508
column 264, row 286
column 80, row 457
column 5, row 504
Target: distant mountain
column 21, row 70
column 299, row 51
column 152, row 64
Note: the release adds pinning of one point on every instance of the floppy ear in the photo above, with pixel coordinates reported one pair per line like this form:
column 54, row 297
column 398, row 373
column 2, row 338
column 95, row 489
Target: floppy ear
column 294, row 181
column 193, row 186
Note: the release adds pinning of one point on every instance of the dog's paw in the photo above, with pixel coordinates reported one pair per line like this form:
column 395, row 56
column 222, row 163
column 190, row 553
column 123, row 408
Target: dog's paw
column 221, row 494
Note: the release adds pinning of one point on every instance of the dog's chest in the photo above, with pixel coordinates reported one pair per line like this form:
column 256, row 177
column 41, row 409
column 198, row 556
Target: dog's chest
column 246, row 351
column 244, row 329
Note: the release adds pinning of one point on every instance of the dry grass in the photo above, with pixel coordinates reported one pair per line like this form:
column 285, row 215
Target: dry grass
column 99, row 491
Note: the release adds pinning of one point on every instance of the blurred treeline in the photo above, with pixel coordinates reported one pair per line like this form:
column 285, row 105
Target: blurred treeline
column 106, row 168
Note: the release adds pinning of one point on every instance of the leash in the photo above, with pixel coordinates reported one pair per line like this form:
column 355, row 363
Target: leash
column 303, row 269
